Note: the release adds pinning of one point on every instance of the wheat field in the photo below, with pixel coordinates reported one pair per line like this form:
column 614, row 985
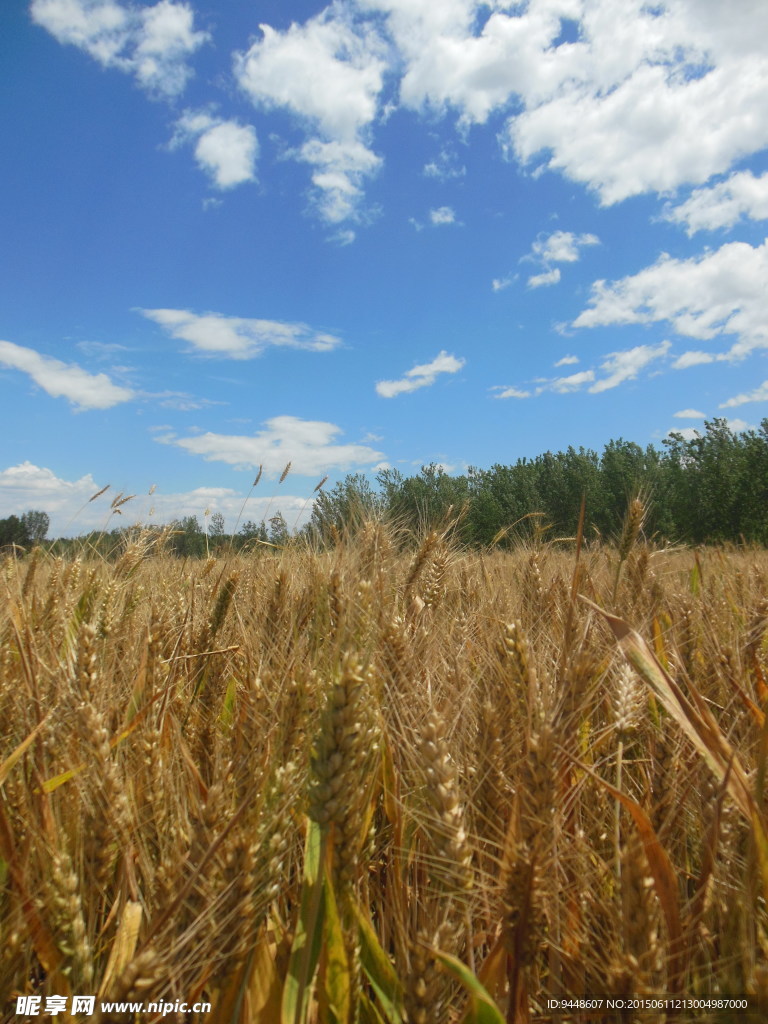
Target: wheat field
column 390, row 781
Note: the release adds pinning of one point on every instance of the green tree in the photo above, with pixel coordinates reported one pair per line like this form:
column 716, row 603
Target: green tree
column 216, row 525
column 278, row 530
column 501, row 497
column 345, row 507
column 36, row 524
column 251, row 533
column 187, row 539
column 14, row 531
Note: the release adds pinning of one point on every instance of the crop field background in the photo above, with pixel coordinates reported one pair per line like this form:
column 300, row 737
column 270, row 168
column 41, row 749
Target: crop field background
column 390, row 780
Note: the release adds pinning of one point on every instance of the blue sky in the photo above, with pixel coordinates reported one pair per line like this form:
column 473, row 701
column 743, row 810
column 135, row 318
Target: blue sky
column 374, row 233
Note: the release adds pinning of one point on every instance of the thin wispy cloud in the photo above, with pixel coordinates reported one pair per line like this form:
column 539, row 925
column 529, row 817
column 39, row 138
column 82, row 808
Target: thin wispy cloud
column 420, row 376
column 758, row 394
column 544, row 279
column 615, row 369
column 82, row 389
column 510, row 392
column 572, row 382
column 500, row 283
column 445, row 167
column 238, row 337
column 692, row 358
column 623, row 366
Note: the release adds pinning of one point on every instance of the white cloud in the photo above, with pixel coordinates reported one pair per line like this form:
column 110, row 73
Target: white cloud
column 724, row 204
column 101, row 349
column 558, row 247
column 341, row 168
column 444, row 167
column 420, row 376
column 442, row 215
column 510, row 392
column 687, row 433
column 718, row 293
column 760, row 394
column 180, row 400
column 617, row 368
column 345, row 236
column 238, row 337
column 329, row 72
column 564, row 385
column 309, row 445
column 689, row 414
column 500, row 283
column 225, row 150
column 738, row 425
column 622, row 366
column 692, row 359
column 27, row 486
column 64, row 380
column 151, row 43
column 543, row 280
column 648, row 97
column 562, row 246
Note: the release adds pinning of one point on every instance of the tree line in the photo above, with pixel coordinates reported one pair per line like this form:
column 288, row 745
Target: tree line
column 707, row 488
column 712, row 487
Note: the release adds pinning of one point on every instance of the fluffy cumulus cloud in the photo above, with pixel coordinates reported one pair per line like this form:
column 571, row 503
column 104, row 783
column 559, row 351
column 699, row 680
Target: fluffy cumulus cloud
column 561, row 246
column 558, row 247
column 64, row 380
column 722, row 292
column 689, row 414
column 67, row 502
column 637, row 97
column 27, row 486
column 649, row 97
column 310, row 446
column 624, row 96
column 329, row 73
column 442, row 215
column 153, row 43
column 420, row 376
column 238, row 337
column 741, row 196
column 225, row 150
